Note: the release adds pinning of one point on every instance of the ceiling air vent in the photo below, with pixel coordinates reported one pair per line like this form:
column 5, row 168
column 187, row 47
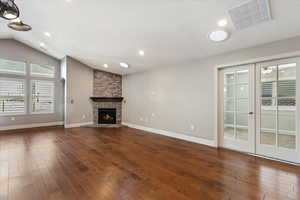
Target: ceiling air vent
column 250, row 13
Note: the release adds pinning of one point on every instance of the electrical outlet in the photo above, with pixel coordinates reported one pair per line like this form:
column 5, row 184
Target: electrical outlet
column 192, row 127
column 83, row 116
column 12, row 118
column 153, row 114
column 141, row 119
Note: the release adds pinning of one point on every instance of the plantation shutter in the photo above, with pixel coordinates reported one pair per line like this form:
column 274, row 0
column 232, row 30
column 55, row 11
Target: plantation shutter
column 42, row 96
column 12, row 96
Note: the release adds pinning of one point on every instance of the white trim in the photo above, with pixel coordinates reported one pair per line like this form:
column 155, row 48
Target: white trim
column 274, row 159
column 216, row 108
column 76, row 125
column 24, row 126
column 172, row 134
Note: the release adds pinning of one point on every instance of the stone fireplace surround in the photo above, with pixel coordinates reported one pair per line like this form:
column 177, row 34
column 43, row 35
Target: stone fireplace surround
column 107, row 93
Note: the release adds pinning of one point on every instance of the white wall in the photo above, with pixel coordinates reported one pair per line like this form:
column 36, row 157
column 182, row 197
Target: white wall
column 173, row 98
column 14, row 50
column 79, row 88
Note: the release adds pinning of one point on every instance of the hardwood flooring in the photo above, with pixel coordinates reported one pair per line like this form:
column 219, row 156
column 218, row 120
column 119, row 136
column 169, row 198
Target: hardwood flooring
column 127, row 164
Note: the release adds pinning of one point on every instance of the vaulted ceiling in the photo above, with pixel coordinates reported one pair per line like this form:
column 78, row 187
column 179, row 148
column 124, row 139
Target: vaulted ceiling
column 169, row 31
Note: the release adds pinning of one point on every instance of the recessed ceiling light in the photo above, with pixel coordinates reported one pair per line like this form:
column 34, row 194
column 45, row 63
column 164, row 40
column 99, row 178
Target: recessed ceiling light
column 42, row 44
column 124, row 65
column 218, row 35
column 141, row 52
column 105, row 65
column 222, row 22
column 68, row 1
column 47, row 34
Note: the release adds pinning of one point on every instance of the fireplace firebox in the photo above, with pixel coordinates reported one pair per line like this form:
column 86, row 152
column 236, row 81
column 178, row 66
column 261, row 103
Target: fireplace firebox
column 107, row 116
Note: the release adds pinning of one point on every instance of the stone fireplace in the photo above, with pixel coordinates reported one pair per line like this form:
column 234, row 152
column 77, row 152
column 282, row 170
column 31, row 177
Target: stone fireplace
column 107, row 99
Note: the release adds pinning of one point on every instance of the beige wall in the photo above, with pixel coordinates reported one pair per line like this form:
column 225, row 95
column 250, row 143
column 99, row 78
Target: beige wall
column 14, row 50
column 79, row 88
column 175, row 98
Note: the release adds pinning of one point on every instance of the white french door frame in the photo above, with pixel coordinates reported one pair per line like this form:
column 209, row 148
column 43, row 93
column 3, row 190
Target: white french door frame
column 238, row 144
column 275, row 151
column 219, row 104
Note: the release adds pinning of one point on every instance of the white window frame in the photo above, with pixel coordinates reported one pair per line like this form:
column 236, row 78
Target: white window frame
column 25, row 97
column 41, row 76
column 31, row 102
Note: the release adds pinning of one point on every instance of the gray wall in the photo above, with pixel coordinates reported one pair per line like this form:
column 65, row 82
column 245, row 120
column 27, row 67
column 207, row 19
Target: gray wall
column 14, row 50
column 79, row 88
column 174, row 98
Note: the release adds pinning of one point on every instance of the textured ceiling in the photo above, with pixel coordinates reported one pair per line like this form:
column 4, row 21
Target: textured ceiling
column 169, row 31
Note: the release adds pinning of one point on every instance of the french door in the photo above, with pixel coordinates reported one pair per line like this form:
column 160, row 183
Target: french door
column 238, row 104
column 258, row 109
column 277, row 134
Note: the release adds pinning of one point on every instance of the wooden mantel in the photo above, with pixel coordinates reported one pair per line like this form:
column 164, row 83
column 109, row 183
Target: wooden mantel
column 107, row 99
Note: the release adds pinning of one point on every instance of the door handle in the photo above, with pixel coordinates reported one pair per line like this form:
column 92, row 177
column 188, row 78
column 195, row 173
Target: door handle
column 251, row 113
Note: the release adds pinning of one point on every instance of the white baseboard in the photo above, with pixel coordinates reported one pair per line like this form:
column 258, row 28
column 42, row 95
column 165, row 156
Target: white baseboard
column 76, row 125
column 173, row 134
column 23, row 126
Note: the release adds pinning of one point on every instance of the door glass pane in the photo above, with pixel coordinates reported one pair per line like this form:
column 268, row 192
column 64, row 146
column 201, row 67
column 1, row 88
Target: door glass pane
column 242, row 120
column 267, row 137
column 286, row 120
column 268, row 120
column 287, row 103
column 236, row 102
column 242, row 133
column 229, row 91
column 242, row 76
column 229, row 105
column 229, row 118
column 229, row 78
column 287, row 88
column 228, row 131
column 287, row 141
column 268, row 89
column 268, row 73
column 242, row 105
column 268, row 103
column 242, row 91
column 287, row 72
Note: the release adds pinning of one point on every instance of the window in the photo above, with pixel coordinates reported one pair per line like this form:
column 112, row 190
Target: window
column 12, row 67
column 42, row 71
column 12, row 96
column 42, row 96
column 15, row 94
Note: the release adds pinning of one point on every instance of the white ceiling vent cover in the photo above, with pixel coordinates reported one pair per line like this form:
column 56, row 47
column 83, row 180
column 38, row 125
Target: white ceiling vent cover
column 250, row 13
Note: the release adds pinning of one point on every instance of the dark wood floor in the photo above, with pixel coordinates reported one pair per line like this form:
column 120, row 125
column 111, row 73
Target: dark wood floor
column 89, row 163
